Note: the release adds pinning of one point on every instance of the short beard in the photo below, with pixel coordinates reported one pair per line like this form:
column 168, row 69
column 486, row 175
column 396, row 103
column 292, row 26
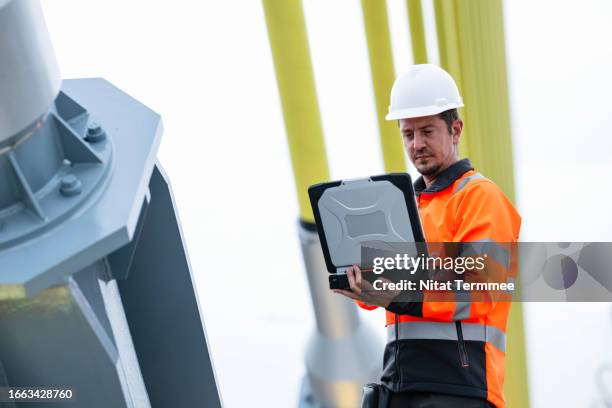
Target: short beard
column 431, row 171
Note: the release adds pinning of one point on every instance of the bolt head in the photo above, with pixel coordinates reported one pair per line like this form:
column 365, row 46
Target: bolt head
column 70, row 186
column 94, row 128
column 95, row 133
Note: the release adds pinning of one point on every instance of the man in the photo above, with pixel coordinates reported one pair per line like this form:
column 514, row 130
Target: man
column 451, row 353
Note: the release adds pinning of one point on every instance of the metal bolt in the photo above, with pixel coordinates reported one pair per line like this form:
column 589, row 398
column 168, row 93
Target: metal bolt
column 70, row 186
column 95, row 133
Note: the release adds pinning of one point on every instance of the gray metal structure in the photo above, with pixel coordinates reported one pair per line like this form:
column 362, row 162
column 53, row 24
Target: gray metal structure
column 344, row 352
column 29, row 76
column 96, row 293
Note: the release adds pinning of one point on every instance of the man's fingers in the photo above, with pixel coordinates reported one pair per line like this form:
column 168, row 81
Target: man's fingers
column 357, row 276
column 347, row 293
column 351, row 278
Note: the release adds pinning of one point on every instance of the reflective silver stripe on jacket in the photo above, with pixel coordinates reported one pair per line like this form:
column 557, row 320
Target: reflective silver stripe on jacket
column 466, row 180
column 475, row 248
column 463, row 304
column 487, row 246
column 448, row 331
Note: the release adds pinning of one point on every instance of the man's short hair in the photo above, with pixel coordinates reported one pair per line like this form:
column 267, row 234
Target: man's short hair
column 449, row 117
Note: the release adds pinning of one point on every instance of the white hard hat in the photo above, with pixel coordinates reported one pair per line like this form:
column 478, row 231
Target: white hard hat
column 424, row 90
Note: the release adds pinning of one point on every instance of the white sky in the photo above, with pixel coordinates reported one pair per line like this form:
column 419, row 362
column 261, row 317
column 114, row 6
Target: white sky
column 206, row 67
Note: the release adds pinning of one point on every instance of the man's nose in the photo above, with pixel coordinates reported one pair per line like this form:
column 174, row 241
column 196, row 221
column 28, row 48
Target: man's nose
column 418, row 142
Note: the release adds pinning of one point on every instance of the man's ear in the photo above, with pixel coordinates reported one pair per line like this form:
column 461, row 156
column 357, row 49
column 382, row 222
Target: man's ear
column 457, row 129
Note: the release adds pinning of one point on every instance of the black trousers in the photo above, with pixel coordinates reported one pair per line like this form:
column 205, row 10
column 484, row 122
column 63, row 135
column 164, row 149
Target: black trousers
column 431, row 400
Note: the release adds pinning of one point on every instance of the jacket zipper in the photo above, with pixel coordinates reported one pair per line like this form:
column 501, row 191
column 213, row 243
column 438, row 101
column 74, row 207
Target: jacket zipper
column 463, row 356
column 397, row 352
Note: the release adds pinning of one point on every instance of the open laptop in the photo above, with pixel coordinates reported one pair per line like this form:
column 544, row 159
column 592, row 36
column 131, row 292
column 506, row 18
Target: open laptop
column 373, row 212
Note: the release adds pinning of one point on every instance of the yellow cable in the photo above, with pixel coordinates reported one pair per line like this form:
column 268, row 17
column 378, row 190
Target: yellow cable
column 472, row 49
column 417, row 31
column 296, row 85
column 383, row 75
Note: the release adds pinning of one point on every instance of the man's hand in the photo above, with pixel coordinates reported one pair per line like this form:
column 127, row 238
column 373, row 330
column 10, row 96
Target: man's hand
column 363, row 290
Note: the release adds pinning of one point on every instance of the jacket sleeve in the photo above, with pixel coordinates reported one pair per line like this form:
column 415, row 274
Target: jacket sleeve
column 365, row 305
column 486, row 223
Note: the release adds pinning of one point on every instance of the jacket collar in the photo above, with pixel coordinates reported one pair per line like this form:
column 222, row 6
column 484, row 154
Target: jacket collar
column 444, row 179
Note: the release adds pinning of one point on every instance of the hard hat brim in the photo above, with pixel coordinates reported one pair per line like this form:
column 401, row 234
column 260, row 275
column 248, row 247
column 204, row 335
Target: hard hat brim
column 421, row 111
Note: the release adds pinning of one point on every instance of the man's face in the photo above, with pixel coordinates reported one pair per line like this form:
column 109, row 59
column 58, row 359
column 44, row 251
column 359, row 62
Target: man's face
column 429, row 144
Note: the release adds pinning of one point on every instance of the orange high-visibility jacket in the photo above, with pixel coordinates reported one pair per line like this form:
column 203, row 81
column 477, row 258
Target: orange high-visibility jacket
column 456, row 347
